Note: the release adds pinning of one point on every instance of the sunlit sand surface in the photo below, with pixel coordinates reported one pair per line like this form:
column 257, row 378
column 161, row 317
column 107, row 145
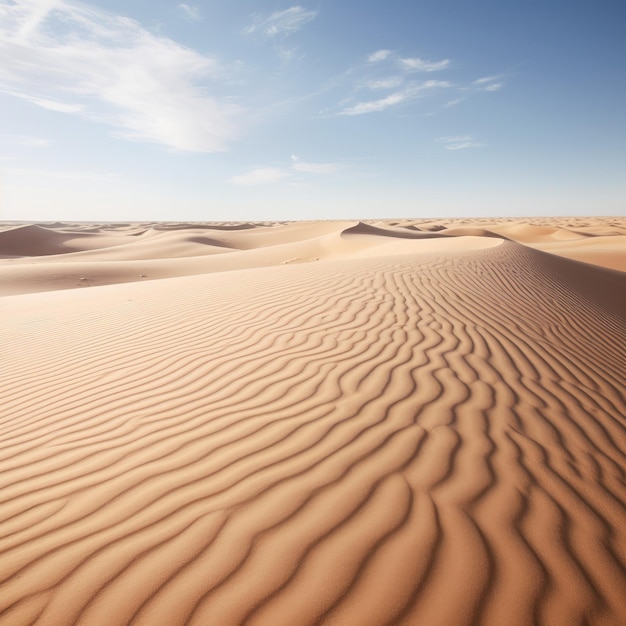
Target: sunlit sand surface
column 357, row 423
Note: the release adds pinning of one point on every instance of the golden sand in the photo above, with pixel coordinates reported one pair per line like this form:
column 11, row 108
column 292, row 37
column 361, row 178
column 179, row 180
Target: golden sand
column 400, row 422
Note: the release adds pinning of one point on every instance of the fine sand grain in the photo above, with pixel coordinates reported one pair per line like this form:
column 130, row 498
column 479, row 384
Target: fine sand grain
column 402, row 422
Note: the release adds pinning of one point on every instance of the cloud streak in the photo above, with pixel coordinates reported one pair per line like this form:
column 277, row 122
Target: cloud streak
column 45, row 103
column 390, row 82
column 419, row 65
column 379, row 55
column 281, row 23
column 373, row 106
column 489, row 83
column 459, row 143
column 68, row 57
column 393, row 79
column 408, row 94
column 192, row 13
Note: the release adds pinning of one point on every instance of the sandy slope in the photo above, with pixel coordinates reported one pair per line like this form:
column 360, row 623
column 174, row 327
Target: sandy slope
column 339, row 423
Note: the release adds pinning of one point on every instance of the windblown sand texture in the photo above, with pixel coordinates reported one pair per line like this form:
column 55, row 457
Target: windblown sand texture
column 402, row 422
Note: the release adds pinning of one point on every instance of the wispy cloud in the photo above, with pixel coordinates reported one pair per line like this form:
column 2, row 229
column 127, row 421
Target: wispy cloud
column 419, row 65
column 69, row 57
column 190, row 11
column 393, row 75
column 281, row 23
column 453, row 102
column 489, row 83
column 486, row 79
column 385, row 83
column 379, row 55
column 460, row 143
column 409, row 94
column 45, row 103
column 373, row 106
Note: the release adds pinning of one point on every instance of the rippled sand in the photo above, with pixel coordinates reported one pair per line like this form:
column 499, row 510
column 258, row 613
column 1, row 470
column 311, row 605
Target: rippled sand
column 401, row 422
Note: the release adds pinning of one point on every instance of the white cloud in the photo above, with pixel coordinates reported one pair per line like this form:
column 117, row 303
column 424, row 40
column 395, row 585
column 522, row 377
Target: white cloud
column 412, row 92
column 45, row 103
column 419, row 65
column 385, row 83
column 453, row 139
column 282, row 23
column 373, row 106
column 486, row 79
column 190, row 12
column 260, row 176
column 432, row 84
column 454, row 102
column 459, row 143
column 464, row 145
column 379, row 55
column 67, row 56
column 489, row 83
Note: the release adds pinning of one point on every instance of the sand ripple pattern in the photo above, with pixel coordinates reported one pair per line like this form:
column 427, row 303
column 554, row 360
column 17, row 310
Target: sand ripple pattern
column 391, row 440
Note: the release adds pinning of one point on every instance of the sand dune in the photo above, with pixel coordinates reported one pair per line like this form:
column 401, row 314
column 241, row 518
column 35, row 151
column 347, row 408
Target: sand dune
column 402, row 422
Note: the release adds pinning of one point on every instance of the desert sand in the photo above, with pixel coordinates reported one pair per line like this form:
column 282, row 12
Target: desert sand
column 416, row 422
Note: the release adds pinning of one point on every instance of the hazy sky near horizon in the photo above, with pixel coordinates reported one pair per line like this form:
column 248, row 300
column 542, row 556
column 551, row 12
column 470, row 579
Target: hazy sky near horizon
column 271, row 110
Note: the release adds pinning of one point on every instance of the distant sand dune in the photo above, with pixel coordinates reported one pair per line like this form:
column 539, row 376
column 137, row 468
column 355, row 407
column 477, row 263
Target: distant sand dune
column 435, row 436
column 32, row 240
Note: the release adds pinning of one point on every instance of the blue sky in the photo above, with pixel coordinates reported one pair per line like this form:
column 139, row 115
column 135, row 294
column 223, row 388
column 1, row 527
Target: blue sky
column 260, row 110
